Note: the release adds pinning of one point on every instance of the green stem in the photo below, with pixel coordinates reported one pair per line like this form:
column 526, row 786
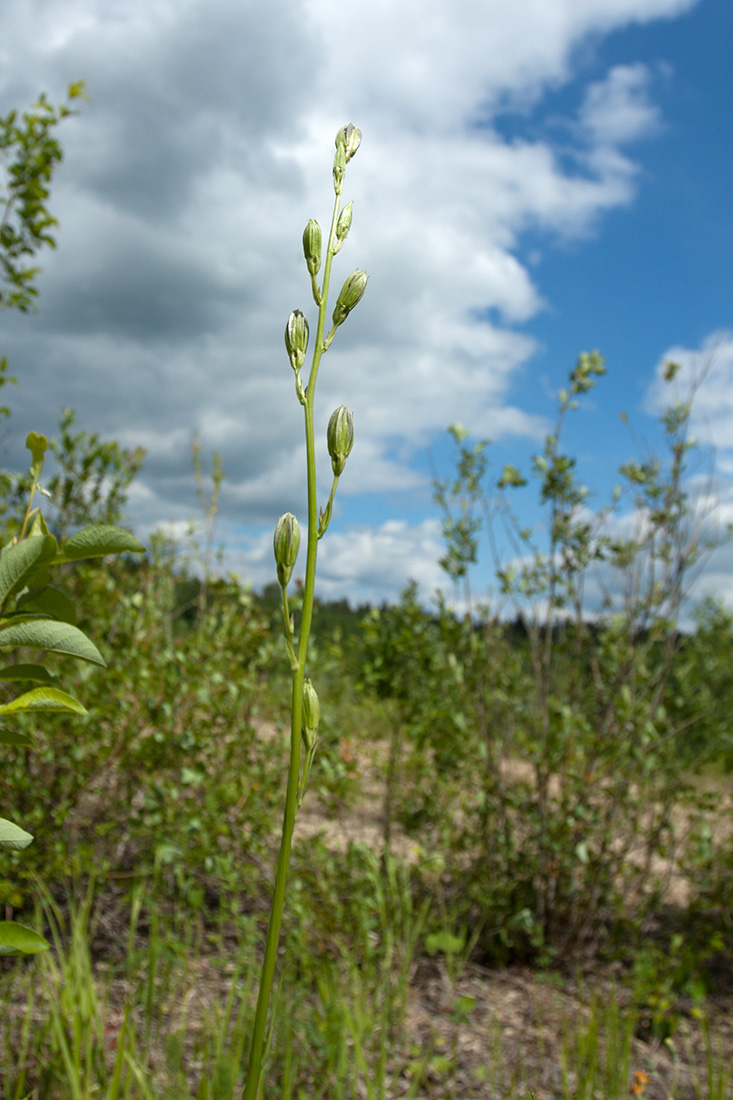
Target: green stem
column 259, row 1037
column 28, row 511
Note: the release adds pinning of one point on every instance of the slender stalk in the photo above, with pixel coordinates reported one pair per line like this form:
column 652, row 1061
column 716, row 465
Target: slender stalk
column 259, row 1034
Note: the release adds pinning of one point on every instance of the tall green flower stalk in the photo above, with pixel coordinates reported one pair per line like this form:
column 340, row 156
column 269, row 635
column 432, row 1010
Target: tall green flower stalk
column 340, row 437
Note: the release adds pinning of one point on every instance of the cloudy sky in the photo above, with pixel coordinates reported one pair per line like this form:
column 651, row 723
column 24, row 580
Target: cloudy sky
column 537, row 178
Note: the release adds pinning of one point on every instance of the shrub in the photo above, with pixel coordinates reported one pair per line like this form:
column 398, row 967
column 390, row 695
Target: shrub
column 545, row 754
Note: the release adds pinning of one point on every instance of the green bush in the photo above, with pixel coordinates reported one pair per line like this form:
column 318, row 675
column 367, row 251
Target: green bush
column 542, row 758
column 36, row 616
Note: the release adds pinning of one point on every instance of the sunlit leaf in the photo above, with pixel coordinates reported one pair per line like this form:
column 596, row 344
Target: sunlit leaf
column 48, row 634
column 43, row 698
column 98, row 541
column 16, row 939
column 12, row 836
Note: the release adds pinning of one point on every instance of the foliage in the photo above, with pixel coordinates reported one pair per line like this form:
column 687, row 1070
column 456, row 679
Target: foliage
column 35, row 615
column 545, row 770
column 168, row 741
column 460, row 499
column 701, row 688
column 544, row 756
column 142, row 1007
column 91, row 479
column 29, row 154
column 88, row 483
column 209, row 501
column 174, row 794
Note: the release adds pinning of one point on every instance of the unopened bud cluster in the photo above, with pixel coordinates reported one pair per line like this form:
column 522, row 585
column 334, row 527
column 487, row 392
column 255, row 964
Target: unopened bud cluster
column 348, row 140
column 305, row 707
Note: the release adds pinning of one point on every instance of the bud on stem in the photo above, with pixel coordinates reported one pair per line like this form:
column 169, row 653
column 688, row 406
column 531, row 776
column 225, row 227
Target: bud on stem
column 311, row 709
column 340, row 438
column 296, row 338
column 339, row 168
column 349, row 137
column 343, row 226
column 286, row 544
column 350, row 295
column 312, row 246
column 348, row 140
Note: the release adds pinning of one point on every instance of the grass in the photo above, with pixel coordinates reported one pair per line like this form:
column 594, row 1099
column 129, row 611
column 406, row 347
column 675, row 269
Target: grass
column 160, row 1009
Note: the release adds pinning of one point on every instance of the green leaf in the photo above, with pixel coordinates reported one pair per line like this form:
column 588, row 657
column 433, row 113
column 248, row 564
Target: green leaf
column 12, row 836
column 35, row 673
column 43, row 698
column 38, row 527
column 12, row 737
column 48, row 634
column 16, row 939
column 98, row 541
column 444, row 943
column 49, row 601
column 20, row 562
column 37, row 445
column 463, row 1005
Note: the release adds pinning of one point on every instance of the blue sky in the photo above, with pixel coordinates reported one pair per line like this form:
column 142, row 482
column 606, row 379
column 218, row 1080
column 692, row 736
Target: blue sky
column 660, row 270
column 537, row 178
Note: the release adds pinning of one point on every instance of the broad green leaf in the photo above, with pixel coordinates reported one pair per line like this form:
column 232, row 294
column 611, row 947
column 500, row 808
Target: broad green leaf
column 48, row 634
column 35, row 673
column 17, row 617
column 16, row 939
column 43, row 698
column 13, row 737
column 37, row 445
column 20, row 562
column 49, row 601
column 38, row 527
column 97, row 542
column 12, row 836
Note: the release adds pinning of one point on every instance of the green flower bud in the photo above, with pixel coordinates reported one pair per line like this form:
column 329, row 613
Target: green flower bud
column 350, row 295
column 312, row 246
column 340, row 438
column 339, row 167
column 311, row 708
column 296, row 338
column 286, row 544
column 350, row 138
column 343, row 226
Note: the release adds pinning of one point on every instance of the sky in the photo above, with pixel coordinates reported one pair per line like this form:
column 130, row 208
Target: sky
column 537, row 178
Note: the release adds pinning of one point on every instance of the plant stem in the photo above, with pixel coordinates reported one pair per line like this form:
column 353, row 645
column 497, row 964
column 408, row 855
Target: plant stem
column 257, row 1050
